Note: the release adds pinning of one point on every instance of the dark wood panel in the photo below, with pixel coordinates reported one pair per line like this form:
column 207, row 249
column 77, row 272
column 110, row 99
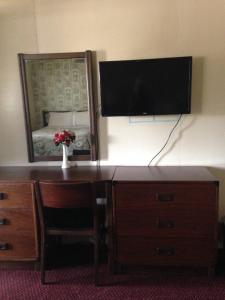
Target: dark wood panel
column 155, row 223
column 164, row 196
column 18, row 246
column 17, row 221
column 66, row 194
column 17, row 195
column 103, row 173
column 164, row 174
column 175, row 252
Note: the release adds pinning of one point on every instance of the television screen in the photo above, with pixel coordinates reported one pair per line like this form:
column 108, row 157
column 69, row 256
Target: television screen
column 146, row 87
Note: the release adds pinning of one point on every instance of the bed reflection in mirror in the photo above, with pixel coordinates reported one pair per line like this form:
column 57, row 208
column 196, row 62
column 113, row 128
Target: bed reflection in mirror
column 57, row 98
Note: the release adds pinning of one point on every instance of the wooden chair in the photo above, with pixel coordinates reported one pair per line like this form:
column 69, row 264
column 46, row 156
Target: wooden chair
column 53, row 195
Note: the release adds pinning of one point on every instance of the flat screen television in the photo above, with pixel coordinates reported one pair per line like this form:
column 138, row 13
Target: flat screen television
column 160, row 86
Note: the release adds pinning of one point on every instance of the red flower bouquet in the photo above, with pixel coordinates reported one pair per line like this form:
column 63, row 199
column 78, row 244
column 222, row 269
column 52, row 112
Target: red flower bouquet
column 64, row 137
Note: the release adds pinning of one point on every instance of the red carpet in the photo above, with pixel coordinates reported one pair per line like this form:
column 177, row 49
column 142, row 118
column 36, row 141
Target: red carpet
column 77, row 283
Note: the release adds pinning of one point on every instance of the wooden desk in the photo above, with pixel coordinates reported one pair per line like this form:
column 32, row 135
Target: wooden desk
column 18, row 229
column 157, row 215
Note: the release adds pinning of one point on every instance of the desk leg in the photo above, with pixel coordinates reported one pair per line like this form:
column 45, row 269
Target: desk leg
column 109, row 215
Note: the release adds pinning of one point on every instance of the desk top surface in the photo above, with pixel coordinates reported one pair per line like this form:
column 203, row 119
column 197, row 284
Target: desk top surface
column 164, row 173
column 109, row 173
column 104, row 173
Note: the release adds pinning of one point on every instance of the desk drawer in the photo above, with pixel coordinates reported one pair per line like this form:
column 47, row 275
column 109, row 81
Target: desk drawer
column 16, row 195
column 186, row 223
column 144, row 251
column 18, row 246
column 165, row 196
column 16, row 220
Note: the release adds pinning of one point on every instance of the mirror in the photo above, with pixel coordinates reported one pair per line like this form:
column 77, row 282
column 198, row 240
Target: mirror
column 58, row 94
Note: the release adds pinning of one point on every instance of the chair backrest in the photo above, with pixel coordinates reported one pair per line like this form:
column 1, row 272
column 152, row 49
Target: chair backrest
column 55, row 194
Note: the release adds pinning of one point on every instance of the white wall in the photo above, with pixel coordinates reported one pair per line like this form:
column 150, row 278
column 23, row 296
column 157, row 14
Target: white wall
column 125, row 29
column 17, row 34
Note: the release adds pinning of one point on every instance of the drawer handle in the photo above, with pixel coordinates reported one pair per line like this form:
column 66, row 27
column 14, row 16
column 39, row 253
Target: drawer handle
column 165, row 251
column 3, row 222
column 165, row 224
column 1, row 196
column 165, row 197
column 4, row 246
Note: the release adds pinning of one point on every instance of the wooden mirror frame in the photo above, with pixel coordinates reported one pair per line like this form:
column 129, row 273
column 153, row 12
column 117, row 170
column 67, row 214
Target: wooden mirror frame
column 87, row 56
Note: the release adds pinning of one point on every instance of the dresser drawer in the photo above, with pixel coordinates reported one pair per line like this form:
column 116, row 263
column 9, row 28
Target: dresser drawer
column 186, row 223
column 144, row 251
column 16, row 195
column 16, row 220
column 18, row 246
column 165, row 196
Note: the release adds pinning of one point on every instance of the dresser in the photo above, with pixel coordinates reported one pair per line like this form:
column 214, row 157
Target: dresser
column 164, row 216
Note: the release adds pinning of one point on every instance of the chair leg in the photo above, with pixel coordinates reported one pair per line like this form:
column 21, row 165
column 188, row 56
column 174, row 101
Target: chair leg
column 96, row 261
column 43, row 250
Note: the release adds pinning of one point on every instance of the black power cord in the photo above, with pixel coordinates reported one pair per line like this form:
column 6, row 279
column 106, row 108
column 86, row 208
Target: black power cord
column 166, row 140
